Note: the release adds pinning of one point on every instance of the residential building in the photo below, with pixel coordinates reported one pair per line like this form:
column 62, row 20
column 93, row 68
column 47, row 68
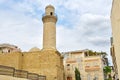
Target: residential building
column 115, row 47
column 7, row 48
column 90, row 66
column 115, row 69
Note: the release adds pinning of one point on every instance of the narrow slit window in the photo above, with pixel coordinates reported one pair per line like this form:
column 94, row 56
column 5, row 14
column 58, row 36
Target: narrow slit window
column 51, row 13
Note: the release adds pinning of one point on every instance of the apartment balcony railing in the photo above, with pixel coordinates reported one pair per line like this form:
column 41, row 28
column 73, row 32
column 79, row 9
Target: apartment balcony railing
column 11, row 71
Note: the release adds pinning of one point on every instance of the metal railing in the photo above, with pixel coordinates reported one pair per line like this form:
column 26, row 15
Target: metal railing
column 11, row 71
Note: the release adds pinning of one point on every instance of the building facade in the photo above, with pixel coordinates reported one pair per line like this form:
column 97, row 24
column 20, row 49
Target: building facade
column 47, row 61
column 8, row 48
column 115, row 69
column 90, row 67
column 115, row 47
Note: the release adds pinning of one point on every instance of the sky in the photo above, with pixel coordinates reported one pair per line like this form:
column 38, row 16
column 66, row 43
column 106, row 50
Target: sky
column 82, row 24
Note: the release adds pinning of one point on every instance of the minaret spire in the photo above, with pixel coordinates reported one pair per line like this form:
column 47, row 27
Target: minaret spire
column 49, row 28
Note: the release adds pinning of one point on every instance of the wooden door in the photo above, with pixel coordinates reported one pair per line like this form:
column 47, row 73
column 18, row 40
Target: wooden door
column 69, row 78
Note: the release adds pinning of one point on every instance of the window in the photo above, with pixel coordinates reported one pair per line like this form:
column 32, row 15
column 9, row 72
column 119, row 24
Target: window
column 80, row 66
column 82, row 77
column 88, row 77
column 73, row 67
column 51, row 13
column 68, row 64
column 8, row 51
column 68, row 67
column 88, row 64
column 69, row 78
column 78, row 60
column 95, row 63
column 86, row 54
column 95, row 77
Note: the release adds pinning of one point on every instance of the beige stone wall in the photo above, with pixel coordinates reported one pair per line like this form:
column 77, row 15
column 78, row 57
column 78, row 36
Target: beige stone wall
column 3, row 77
column 115, row 20
column 31, row 62
column 114, row 59
column 49, row 9
column 51, row 65
column 49, row 35
column 11, row 59
column 44, row 62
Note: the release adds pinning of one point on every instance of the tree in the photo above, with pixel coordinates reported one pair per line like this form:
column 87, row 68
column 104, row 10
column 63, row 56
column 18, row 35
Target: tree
column 104, row 54
column 93, row 53
column 107, row 70
column 77, row 74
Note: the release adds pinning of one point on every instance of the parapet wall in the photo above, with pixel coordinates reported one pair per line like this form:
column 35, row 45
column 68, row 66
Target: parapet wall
column 3, row 77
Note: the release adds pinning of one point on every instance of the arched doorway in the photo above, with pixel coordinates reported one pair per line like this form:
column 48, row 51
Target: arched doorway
column 69, row 78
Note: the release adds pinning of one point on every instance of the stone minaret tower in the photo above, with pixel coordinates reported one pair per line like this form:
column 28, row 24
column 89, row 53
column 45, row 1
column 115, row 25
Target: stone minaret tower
column 49, row 28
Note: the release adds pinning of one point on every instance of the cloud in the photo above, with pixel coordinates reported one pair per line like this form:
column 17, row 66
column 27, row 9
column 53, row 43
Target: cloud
column 92, row 23
column 91, row 31
column 24, row 31
column 79, row 26
column 99, row 41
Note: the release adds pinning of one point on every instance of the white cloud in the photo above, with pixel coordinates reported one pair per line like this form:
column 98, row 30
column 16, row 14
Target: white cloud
column 91, row 31
column 80, row 24
column 24, row 31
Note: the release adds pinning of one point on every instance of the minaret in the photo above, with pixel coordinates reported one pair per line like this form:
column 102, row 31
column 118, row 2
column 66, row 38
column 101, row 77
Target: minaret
column 49, row 28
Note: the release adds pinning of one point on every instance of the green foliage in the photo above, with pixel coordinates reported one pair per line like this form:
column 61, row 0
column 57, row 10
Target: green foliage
column 93, row 53
column 77, row 74
column 107, row 70
column 109, row 79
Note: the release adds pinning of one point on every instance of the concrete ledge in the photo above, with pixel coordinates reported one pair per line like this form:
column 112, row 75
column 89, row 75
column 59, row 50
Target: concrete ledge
column 3, row 77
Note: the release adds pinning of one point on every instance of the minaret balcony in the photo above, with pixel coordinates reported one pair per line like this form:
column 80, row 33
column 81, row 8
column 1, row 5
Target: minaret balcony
column 49, row 17
column 55, row 15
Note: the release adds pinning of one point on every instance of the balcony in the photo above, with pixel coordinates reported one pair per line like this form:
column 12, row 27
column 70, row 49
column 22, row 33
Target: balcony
column 49, row 18
column 92, row 68
column 55, row 15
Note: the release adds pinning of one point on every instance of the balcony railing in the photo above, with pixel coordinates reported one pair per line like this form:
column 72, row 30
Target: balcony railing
column 11, row 71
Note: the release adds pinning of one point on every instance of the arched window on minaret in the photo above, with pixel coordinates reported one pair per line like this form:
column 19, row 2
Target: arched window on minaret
column 51, row 13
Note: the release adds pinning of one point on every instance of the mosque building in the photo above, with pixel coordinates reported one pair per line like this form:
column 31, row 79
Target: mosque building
column 47, row 61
